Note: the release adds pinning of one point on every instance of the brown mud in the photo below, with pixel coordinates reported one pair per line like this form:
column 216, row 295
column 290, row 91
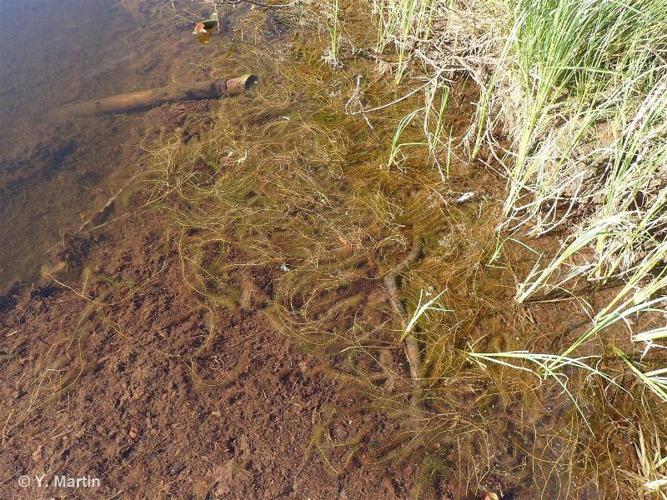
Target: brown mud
column 113, row 368
column 127, row 378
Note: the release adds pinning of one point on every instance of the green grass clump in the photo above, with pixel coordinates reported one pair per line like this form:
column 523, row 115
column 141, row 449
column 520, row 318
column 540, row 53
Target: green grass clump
column 579, row 90
column 573, row 110
column 588, row 134
column 403, row 24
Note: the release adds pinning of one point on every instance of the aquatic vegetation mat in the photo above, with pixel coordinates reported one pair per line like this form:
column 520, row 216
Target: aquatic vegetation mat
column 343, row 183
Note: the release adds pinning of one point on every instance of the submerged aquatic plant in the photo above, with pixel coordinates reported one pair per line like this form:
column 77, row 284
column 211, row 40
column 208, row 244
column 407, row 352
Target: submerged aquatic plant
column 573, row 106
column 583, row 119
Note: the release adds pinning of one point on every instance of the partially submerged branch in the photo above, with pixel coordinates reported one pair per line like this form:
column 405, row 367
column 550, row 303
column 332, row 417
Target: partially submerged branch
column 146, row 99
column 412, row 351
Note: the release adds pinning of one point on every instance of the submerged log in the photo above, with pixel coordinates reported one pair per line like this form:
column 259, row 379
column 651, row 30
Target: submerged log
column 146, row 99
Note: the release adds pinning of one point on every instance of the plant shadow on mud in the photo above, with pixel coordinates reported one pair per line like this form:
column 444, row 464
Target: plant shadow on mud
column 287, row 203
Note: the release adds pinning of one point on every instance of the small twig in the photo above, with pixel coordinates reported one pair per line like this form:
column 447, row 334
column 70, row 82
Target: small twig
column 396, row 101
column 217, row 17
column 412, row 351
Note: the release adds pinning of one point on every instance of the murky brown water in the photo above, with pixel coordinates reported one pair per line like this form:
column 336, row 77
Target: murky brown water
column 54, row 172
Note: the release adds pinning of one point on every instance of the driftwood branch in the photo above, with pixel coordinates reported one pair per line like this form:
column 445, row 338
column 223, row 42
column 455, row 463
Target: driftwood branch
column 146, row 99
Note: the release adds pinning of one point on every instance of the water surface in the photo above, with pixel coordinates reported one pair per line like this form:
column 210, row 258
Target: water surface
column 55, row 170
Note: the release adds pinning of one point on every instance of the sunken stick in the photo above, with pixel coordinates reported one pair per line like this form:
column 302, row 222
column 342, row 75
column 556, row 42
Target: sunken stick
column 146, row 99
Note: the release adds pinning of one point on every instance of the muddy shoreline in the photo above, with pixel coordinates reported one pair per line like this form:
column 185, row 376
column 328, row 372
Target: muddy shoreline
column 152, row 400
column 116, row 371
column 119, row 372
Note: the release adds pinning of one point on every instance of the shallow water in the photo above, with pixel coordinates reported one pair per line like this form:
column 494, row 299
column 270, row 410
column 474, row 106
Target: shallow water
column 57, row 52
column 307, row 199
column 55, row 170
